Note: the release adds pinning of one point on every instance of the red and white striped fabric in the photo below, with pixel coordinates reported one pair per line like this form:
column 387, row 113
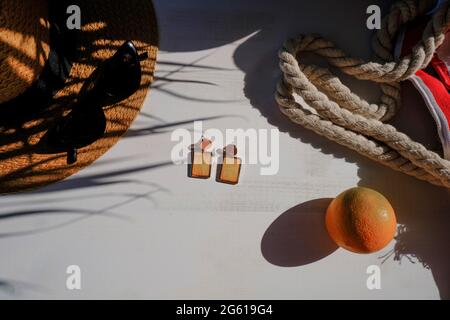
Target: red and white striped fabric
column 433, row 83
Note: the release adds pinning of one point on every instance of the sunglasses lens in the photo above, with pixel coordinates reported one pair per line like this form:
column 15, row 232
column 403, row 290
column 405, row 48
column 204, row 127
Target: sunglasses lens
column 122, row 80
column 79, row 129
column 122, row 73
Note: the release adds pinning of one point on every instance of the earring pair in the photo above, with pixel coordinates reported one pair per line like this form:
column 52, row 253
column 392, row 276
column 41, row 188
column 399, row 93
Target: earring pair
column 228, row 164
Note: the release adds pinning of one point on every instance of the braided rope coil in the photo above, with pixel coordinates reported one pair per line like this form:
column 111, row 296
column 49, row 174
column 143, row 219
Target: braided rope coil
column 340, row 115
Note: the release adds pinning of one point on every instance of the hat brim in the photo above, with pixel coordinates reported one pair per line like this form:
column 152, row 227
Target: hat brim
column 106, row 25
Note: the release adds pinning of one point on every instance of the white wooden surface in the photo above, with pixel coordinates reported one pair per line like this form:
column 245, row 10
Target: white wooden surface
column 139, row 228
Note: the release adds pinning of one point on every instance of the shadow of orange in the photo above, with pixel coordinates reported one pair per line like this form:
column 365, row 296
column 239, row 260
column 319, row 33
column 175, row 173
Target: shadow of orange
column 298, row 236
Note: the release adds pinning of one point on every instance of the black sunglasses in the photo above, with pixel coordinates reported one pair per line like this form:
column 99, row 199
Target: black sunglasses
column 115, row 80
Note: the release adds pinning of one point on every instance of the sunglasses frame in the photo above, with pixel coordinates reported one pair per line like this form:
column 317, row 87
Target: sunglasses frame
column 86, row 122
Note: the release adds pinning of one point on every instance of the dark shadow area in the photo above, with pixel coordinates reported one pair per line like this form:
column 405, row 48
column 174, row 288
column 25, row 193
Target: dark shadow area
column 100, row 179
column 219, row 167
column 189, row 165
column 82, row 214
column 298, row 237
column 163, row 81
column 15, row 288
column 169, row 127
column 6, row 287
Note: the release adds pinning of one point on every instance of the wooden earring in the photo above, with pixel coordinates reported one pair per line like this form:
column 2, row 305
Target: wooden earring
column 229, row 166
column 200, row 160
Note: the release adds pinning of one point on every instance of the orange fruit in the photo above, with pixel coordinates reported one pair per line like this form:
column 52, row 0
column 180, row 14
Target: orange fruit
column 361, row 220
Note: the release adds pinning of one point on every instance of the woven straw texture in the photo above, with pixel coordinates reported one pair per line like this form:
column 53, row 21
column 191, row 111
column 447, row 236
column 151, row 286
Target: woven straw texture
column 106, row 24
column 24, row 45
